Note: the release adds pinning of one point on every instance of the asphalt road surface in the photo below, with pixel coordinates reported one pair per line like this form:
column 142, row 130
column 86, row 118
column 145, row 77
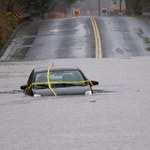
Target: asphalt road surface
column 124, row 36
column 63, row 38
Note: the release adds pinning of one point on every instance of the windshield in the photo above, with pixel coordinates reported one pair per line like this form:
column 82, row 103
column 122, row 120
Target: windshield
column 71, row 77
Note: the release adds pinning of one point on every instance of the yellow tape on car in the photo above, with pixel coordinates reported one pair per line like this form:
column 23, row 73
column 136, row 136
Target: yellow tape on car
column 49, row 84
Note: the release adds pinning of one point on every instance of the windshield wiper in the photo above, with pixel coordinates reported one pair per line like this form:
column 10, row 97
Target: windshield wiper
column 67, row 85
column 44, row 86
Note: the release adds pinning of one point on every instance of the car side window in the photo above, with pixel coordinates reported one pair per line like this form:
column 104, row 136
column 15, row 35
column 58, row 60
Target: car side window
column 77, row 76
column 68, row 77
column 41, row 77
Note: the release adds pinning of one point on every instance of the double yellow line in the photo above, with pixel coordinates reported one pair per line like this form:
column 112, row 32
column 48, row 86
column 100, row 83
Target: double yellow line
column 98, row 47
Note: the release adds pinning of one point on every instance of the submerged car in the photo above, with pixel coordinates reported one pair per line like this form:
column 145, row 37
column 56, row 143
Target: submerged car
column 58, row 81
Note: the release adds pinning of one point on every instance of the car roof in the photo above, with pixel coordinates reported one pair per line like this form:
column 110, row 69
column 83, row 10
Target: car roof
column 43, row 69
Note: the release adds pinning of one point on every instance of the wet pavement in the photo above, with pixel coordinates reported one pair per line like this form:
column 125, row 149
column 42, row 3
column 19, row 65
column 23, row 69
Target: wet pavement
column 124, row 36
column 63, row 38
column 121, row 36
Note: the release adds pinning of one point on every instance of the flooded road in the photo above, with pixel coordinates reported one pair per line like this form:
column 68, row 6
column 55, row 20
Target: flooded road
column 111, row 120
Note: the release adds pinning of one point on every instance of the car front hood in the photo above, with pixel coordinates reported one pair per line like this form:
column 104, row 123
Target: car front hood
column 72, row 90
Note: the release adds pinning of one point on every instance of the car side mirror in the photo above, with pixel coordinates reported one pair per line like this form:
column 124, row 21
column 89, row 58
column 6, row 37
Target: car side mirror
column 94, row 82
column 23, row 87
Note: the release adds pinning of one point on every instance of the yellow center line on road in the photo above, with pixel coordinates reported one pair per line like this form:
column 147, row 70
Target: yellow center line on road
column 98, row 47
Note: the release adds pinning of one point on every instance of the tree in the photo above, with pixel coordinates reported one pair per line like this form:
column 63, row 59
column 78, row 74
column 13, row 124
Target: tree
column 10, row 7
column 136, row 6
